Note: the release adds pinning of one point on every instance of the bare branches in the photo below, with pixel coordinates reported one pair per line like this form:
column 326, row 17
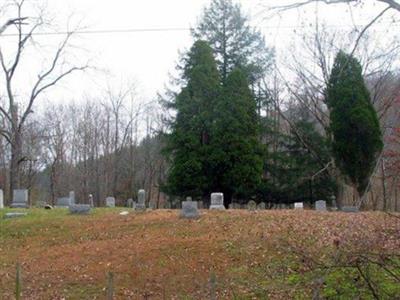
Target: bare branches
column 392, row 4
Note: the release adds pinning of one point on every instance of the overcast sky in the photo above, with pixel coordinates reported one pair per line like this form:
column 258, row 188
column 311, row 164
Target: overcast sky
column 147, row 57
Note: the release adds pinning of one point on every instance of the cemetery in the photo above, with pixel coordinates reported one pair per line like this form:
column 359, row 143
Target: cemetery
column 209, row 149
column 171, row 247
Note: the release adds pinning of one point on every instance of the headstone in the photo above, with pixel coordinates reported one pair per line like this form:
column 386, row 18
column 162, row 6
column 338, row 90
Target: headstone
column 72, row 197
column 298, row 205
column 234, row 205
column 141, row 205
column 129, row 203
column 1, row 199
column 20, row 199
column 64, row 202
column 48, row 206
column 200, row 204
column 261, row 206
column 320, row 205
column 217, row 201
column 189, row 210
column 12, row 215
column 350, row 209
column 110, row 202
column 252, row 205
column 79, row 209
column 91, row 202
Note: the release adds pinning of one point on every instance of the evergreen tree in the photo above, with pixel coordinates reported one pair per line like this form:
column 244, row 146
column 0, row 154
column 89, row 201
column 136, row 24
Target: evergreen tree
column 236, row 156
column 188, row 144
column 234, row 42
column 290, row 167
column 356, row 135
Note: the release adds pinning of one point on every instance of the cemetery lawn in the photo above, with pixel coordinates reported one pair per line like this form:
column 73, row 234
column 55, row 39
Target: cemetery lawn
column 279, row 254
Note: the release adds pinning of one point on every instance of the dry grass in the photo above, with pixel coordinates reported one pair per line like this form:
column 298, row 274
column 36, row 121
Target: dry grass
column 156, row 255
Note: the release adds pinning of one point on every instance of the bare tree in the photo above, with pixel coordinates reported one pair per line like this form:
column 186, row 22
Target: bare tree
column 13, row 112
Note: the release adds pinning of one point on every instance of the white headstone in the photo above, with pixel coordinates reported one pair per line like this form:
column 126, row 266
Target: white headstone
column 1, row 199
column 110, row 202
column 217, row 201
column 298, row 205
column 72, row 197
column 141, row 204
column 320, row 205
column 20, row 199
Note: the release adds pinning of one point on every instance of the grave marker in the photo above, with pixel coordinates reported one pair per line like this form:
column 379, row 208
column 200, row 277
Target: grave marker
column 320, row 205
column 20, row 199
column 141, row 205
column 110, row 202
column 217, row 201
column 298, row 205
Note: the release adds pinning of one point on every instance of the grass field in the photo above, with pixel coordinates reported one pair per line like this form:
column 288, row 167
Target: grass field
column 156, row 255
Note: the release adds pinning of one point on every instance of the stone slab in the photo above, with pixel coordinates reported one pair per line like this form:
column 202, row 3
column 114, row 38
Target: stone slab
column 217, row 201
column 79, row 209
column 13, row 215
column 190, row 210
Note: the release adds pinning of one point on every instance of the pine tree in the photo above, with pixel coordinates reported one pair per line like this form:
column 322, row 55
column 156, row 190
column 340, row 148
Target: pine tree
column 236, row 157
column 188, row 144
column 356, row 135
column 235, row 43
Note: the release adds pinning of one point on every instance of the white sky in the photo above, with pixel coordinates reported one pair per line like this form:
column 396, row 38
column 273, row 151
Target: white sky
column 148, row 57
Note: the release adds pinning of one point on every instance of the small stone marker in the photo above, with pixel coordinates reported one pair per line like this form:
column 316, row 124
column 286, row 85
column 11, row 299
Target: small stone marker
column 298, row 205
column 79, row 209
column 261, row 206
column 129, row 203
column 217, row 201
column 48, row 206
column 320, row 205
column 200, row 204
column 72, row 197
column 12, row 215
column 64, row 202
column 350, row 209
column 1, row 199
column 110, row 202
column 189, row 209
column 124, row 213
column 252, row 205
column 334, row 205
column 20, row 199
column 141, row 205
column 91, row 202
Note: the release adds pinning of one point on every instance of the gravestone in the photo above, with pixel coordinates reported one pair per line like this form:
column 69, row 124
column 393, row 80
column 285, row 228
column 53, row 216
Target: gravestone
column 72, row 197
column 350, row 209
column 217, row 201
column 91, row 202
column 12, row 215
column 110, row 202
column 200, row 204
column 79, row 209
column 298, row 205
column 261, row 206
column 252, row 205
column 20, row 199
column 63, row 202
column 129, row 203
column 141, row 205
column 320, row 205
column 189, row 209
column 1, row 199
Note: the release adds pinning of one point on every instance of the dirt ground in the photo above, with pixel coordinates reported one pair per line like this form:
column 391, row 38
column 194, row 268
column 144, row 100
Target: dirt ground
column 157, row 255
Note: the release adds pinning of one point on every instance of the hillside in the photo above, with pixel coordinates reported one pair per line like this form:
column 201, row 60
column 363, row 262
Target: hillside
column 156, row 255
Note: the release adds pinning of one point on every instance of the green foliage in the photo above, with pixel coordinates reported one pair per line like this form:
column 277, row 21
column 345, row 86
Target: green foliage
column 234, row 42
column 289, row 165
column 188, row 144
column 236, row 156
column 356, row 135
